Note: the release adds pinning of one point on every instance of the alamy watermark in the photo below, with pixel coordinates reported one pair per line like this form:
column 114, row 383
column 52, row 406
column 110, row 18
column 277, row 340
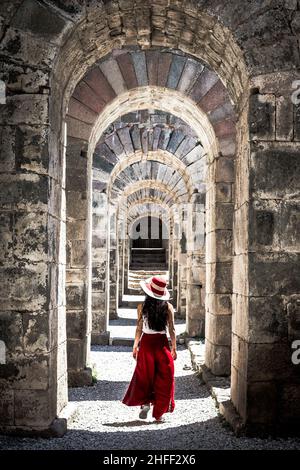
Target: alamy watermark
column 295, row 97
column 2, row 92
column 2, row 352
column 296, row 353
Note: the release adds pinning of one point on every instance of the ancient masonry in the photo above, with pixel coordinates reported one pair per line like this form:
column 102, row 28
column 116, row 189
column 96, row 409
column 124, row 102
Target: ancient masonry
column 113, row 112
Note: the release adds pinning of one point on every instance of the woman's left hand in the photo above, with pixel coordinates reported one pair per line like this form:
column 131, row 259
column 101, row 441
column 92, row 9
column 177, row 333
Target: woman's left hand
column 174, row 354
column 135, row 352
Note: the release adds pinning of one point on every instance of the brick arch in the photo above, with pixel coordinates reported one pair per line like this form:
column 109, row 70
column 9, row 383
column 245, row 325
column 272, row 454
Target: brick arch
column 153, row 184
column 159, row 68
column 236, row 42
column 149, row 192
column 214, row 127
column 158, row 171
column 135, row 218
column 149, row 200
column 161, row 157
column 159, row 195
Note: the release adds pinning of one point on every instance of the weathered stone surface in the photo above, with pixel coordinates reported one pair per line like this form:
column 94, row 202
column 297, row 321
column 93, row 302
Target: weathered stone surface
column 25, row 109
column 289, row 411
column 36, row 331
column 292, row 308
column 219, row 278
column 76, row 324
column 28, row 49
column 268, row 321
column 126, row 66
column 218, row 329
column 281, row 164
column 75, row 350
column 217, row 358
column 76, row 204
column 139, row 61
column 273, row 273
column 38, row 19
column 262, row 403
column 24, row 288
column 113, row 74
column 7, row 407
column 262, row 117
column 32, row 408
column 31, row 238
column 284, row 119
column 80, row 378
column 76, row 296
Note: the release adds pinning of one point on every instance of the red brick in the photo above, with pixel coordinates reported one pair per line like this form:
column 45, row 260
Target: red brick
column 214, row 98
column 81, row 112
column 152, row 59
column 87, row 96
column 127, row 69
column 99, row 84
column 206, row 80
column 164, row 64
column 224, row 128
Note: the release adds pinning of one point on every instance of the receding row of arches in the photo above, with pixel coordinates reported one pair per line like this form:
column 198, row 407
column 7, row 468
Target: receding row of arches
column 145, row 112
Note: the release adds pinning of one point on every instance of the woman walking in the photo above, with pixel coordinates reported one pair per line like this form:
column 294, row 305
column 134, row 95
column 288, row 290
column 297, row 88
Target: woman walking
column 153, row 379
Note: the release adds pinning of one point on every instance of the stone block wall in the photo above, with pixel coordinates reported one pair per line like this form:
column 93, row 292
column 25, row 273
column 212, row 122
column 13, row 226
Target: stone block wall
column 77, row 274
column 266, row 387
column 100, row 267
column 33, row 375
column 219, row 253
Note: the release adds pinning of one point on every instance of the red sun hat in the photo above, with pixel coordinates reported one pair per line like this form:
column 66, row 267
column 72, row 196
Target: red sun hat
column 156, row 287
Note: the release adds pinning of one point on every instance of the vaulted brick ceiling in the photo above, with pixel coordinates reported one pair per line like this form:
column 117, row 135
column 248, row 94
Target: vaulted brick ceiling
column 150, row 149
column 166, row 142
column 130, row 68
column 150, row 194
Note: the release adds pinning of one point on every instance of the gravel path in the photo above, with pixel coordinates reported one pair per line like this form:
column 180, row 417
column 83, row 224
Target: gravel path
column 103, row 422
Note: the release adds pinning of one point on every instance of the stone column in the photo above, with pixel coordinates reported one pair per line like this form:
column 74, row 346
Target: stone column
column 126, row 263
column 170, row 259
column 266, row 282
column 121, row 269
column 33, row 383
column 113, row 266
column 182, row 266
column 219, row 219
column 175, row 251
column 100, row 268
column 78, row 274
column 195, row 301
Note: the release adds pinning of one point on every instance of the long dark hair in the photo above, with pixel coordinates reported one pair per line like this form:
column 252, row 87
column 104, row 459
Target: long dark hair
column 156, row 312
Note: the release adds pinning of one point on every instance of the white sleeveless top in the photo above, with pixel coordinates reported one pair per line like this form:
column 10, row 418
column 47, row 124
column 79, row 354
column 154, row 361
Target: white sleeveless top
column 148, row 330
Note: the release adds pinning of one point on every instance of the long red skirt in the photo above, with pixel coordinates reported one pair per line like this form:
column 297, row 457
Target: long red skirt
column 153, row 378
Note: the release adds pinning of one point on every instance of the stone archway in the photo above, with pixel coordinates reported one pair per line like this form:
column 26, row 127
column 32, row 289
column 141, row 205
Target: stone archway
column 258, row 80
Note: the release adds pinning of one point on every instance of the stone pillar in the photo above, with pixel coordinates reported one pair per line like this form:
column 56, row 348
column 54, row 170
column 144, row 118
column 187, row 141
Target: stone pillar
column 78, row 274
column 219, row 220
column 265, row 378
column 113, row 266
column 170, row 259
column 121, row 251
column 182, row 266
column 33, row 383
column 126, row 263
column 175, row 250
column 195, row 301
column 100, row 267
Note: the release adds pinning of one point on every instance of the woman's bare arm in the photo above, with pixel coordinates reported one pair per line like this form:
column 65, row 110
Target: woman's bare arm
column 138, row 330
column 171, row 328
